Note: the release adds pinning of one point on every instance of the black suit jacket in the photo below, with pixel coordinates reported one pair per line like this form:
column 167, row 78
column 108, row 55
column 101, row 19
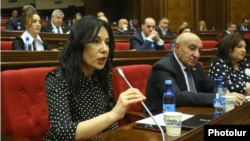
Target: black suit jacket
column 11, row 24
column 136, row 26
column 168, row 33
column 224, row 34
column 137, row 42
column 239, row 28
column 169, row 69
column 47, row 28
column 18, row 44
column 118, row 32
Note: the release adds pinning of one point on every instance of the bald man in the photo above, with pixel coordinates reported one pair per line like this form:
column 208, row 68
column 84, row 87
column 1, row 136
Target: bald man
column 100, row 14
column 104, row 18
column 191, row 86
column 122, row 27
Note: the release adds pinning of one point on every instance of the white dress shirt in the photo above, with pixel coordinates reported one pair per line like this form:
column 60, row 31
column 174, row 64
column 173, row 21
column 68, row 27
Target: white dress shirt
column 39, row 42
column 243, row 28
column 228, row 32
column 160, row 43
column 184, row 72
column 56, row 30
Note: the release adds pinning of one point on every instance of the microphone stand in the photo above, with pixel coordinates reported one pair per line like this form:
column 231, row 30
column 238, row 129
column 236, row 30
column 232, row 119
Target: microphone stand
column 119, row 71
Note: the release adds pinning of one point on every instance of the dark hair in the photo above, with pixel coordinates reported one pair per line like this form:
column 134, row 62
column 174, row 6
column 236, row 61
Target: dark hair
column 27, row 18
column 230, row 24
column 134, row 17
column 84, row 31
column 144, row 21
column 27, row 8
column 244, row 19
column 227, row 45
column 163, row 18
column 183, row 27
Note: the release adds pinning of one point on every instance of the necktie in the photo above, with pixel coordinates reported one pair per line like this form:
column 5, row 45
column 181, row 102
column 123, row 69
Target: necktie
column 34, row 44
column 58, row 31
column 163, row 32
column 190, row 81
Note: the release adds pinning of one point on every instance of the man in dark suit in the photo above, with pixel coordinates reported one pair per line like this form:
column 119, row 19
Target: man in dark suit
column 244, row 26
column 143, row 40
column 231, row 28
column 190, row 84
column 133, row 23
column 163, row 29
column 56, row 22
column 12, row 24
column 122, row 27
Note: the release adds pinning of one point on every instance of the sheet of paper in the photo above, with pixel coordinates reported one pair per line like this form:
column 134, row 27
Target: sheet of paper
column 159, row 119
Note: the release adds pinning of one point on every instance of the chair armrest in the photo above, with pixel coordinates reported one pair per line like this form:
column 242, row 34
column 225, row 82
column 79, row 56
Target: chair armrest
column 11, row 137
column 136, row 114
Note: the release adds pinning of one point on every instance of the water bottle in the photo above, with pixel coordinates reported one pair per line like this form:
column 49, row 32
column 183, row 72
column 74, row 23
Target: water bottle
column 69, row 23
column 52, row 29
column 135, row 30
column 27, row 45
column 152, row 47
column 219, row 97
column 213, row 28
column 18, row 26
column 168, row 99
column 47, row 18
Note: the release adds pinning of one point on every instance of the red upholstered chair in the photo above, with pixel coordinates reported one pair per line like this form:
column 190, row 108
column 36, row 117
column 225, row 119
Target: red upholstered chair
column 6, row 45
column 3, row 28
column 122, row 45
column 45, row 23
column 23, row 103
column 137, row 75
column 201, row 65
column 209, row 44
column 4, row 20
column 167, row 46
column 219, row 37
column 246, row 35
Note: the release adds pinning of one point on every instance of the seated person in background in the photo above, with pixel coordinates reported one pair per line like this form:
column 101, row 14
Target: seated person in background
column 231, row 28
column 203, row 27
column 163, row 29
column 76, row 17
column 122, row 27
column 185, row 23
column 12, row 24
column 133, row 23
column 190, row 84
column 182, row 29
column 231, row 65
column 100, row 14
column 104, row 19
column 79, row 92
column 142, row 40
column 32, row 22
column 244, row 26
column 56, row 22
column 14, row 14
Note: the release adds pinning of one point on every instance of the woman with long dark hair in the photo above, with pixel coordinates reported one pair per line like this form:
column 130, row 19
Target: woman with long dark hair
column 230, row 64
column 79, row 91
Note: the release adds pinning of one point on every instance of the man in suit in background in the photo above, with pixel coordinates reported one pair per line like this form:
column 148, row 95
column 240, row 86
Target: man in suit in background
column 122, row 27
column 231, row 28
column 143, row 40
column 133, row 23
column 190, row 84
column 12, row 24
column 76, row 17
column 56, row 22
column 244, row 26
column 163, row 28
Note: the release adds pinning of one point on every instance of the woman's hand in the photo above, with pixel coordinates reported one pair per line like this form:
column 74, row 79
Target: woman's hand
column 238, row 98
column 130, row 96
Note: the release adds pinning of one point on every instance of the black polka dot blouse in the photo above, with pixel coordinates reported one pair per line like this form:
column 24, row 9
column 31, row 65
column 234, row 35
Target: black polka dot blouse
column 233, row 80
column 68, row 108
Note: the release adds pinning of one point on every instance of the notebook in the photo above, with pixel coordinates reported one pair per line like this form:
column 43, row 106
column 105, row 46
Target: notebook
column 196, row 121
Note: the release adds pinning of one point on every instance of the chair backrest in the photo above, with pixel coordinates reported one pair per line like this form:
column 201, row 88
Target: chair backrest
column 201, row 65
column 4, row 20
column 6, row 45
column 137, row 75
column 209, row 44
column 246, row 35
column 23, row 101
column 3, row 28
column 122, row 45
column 167, row 46
column 219, row 37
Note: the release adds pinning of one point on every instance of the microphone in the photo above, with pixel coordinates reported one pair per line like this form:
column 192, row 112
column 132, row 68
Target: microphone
column 120, row 72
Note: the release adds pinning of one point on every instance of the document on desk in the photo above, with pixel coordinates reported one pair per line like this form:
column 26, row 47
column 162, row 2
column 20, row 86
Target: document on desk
column 159, row 119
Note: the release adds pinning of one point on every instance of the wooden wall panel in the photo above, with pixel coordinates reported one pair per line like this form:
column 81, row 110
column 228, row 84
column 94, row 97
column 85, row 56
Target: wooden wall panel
column 239, row 9
column 179, row 11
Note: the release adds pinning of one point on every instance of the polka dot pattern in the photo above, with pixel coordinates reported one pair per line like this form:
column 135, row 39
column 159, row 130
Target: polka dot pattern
column 68, row 108
column 234, row 80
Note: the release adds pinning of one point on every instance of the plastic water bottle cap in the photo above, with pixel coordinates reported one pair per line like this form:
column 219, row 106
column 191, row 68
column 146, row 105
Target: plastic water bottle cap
column 27, row 38
column 168, row 82
column 218, row 79
column 18, row 23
